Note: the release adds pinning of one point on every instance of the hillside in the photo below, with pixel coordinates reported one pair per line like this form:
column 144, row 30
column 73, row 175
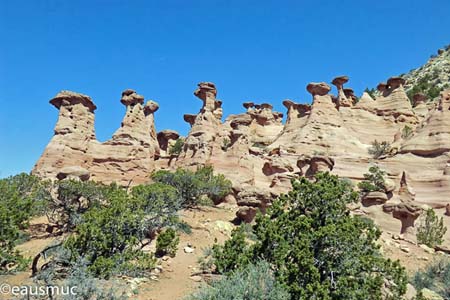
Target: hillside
column 430, row 78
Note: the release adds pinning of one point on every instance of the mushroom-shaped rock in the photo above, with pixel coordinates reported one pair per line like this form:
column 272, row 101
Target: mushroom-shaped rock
column 381, row 87
column 74, row 172
column 150, row 107
column 374, row 198
column 72, row 98
column 168, row 134
column 320, row 88
column 164, row 137
column 349, row 93
column 190, row 118
column 248, row 105
column 130, row 97
column 288, row 103
column 395, row 82
column 407, row 213
column 340, row 81
column 266, row 106
column 206, row 90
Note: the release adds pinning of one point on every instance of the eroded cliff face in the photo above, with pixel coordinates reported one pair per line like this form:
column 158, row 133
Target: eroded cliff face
column 260, row 154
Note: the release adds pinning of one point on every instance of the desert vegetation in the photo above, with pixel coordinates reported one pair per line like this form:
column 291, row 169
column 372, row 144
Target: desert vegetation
column 102, row 229
column 431, row 229
column 310, row 229
column 374, row 181
column 379, row 149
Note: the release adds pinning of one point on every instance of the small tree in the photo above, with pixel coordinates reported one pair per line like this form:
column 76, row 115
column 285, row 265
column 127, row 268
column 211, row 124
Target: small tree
column 431, row 229
column 176, row 148
column 373, row 181
column 167, row 243
column 379, row 149
column 192, row 186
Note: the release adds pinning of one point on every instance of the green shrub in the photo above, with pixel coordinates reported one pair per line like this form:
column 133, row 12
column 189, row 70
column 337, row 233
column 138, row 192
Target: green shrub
column 407, row 132
column 21, row 197
column 226, row 143
column 109, row 226
column 191, row 186
column 254, row 282
column 167, row 243
column 176, row 148
column 372, row 92
column 60, row 271
column 436, row 277
column 109, row 237
column 379, row 149
column 73, row 198
column 373, row 181
column 160, row 204
column 426, row 86
column 431, row 229
column 317, row 249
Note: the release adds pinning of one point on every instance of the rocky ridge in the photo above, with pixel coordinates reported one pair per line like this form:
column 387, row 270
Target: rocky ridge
column 430, row 78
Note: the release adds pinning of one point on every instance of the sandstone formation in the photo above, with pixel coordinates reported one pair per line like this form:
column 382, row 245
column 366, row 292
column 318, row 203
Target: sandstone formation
column 260, row 154
column 166, row 139
column 128, row 157
column 433, row 138
column 73, row 134
column 342, row 99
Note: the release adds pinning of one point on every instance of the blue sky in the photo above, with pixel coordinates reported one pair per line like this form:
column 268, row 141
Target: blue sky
column 253, row 50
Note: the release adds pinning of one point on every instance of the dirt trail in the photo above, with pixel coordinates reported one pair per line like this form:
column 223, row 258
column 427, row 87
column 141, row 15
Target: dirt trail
column 175, row 282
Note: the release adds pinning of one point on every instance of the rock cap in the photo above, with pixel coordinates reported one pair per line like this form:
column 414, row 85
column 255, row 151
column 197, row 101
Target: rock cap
column 205, row 89
column 318, row 88
column 395, row 82
column 71, row 98
column 151, row 107
column 130, row 97
column 168, row 134
column 340, row 80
